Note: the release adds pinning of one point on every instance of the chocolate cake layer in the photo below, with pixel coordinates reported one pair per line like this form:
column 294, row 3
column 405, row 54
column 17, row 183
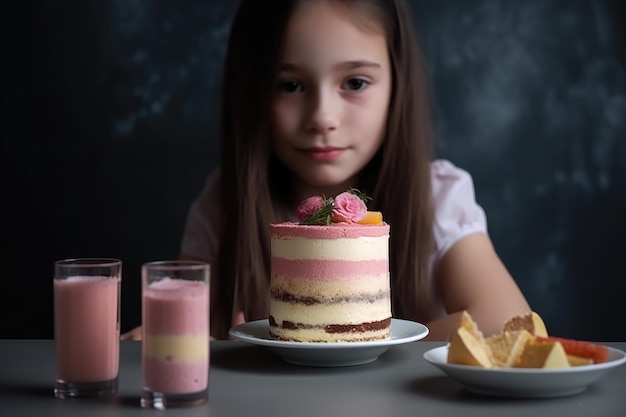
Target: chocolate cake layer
column 291, row 298
column 335, row 328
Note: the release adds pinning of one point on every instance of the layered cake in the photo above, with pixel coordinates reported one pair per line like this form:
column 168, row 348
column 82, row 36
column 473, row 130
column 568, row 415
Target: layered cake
column 330, row 276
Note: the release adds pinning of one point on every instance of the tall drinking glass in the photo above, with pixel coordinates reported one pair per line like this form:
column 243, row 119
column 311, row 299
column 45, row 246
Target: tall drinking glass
column 87, row 326
column 175, row 326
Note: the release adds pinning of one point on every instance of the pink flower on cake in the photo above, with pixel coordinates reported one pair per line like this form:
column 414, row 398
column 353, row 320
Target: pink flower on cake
column 309, row 206
column 348, row 208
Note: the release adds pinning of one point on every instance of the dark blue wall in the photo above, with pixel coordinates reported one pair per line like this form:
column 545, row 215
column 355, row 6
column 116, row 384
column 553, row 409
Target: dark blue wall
column 108, row 132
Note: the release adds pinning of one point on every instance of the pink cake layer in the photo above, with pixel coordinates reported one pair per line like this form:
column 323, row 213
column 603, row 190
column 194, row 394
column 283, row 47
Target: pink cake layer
column 332, row 231
column 184, row 377
column 320, row 269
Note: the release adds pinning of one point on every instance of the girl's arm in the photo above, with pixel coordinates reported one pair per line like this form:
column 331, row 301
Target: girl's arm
column 471, row 276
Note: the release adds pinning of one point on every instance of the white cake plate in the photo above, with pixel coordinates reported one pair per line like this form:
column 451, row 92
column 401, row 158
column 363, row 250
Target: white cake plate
column 329, row 354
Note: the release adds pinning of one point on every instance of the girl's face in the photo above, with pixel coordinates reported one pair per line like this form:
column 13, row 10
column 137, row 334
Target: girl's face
column 332, row 97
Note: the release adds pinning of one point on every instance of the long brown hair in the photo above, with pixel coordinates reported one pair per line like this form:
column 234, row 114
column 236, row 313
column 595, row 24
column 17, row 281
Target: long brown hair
column 397, row 178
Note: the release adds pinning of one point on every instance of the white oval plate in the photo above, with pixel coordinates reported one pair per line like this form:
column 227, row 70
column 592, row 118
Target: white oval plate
column 524, row 382
column 328, row 354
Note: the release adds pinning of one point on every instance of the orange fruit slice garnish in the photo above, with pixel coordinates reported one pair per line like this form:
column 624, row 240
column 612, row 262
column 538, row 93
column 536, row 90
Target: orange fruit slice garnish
column 372, row 217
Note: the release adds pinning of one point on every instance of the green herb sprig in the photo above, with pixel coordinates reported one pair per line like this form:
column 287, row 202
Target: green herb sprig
column 322, row 216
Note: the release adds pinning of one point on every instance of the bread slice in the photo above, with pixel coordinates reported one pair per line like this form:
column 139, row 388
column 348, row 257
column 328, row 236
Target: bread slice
column 523, row 343
column 578, row 361
column 531, row 322
column 539, row 354
column 467, row 345
column 507, row 347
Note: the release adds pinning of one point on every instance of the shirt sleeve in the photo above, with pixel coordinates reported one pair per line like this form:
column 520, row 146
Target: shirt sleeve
column 456, row 212
column 203, row 223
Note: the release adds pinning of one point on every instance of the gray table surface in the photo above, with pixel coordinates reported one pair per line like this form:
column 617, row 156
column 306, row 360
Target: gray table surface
column 247, row 380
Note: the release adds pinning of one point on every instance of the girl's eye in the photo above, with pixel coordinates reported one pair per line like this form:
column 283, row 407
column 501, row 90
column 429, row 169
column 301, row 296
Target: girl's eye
column 355, row 84
column 290, row 86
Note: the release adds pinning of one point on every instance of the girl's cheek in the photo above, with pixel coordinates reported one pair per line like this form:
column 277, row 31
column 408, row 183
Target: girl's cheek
column 288, row 106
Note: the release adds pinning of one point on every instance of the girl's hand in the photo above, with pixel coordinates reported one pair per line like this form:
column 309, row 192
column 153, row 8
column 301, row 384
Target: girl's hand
column 134, row 334
column 238, row 318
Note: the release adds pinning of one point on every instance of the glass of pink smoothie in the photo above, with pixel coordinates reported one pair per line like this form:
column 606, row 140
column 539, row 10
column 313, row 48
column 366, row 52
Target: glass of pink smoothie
column 175, row 339
column 87, row 326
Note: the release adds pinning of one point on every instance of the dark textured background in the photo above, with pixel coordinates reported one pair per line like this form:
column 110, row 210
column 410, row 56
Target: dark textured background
column 108, row 132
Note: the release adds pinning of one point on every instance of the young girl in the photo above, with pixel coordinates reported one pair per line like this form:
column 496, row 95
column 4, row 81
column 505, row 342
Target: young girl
column 320, row 96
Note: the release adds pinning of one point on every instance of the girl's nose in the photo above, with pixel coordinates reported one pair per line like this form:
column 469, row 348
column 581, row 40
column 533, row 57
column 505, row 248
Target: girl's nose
column 324, row 113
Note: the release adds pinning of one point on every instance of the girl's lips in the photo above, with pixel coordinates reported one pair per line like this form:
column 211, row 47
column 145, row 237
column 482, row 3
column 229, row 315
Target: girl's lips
column 324, row 154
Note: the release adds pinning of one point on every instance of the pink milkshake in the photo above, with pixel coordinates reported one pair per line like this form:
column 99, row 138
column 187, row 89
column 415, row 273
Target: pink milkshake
column 87, row 334
column 175, row 339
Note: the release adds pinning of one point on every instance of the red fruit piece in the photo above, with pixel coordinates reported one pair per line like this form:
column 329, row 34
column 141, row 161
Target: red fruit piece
column 599, row 353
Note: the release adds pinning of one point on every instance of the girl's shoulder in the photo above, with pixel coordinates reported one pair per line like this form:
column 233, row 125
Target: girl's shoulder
column 203, row 221
column 443, row 170
column 456, row 211
column 210, row 194
column 449, row 180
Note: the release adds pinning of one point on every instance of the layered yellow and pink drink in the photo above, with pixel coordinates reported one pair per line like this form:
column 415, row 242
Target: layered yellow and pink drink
column 176, row 336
